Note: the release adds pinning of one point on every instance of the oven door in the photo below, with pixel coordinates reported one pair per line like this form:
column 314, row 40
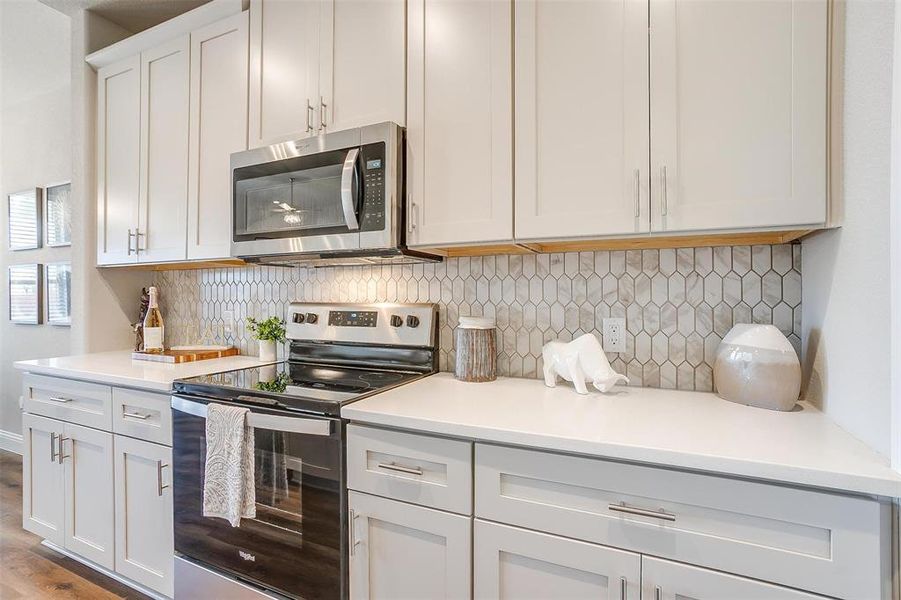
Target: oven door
column 295, row 544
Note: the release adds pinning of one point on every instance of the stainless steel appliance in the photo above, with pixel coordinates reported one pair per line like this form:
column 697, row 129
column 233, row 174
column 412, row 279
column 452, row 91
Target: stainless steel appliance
column 332, row 199
column 297, row 545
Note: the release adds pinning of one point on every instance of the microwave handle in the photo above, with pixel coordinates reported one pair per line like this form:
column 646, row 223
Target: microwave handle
column 260, row 420
column 347, row 189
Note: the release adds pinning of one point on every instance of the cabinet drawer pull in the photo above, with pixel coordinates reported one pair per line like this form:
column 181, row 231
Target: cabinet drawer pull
column 637, row 193
column 136, row 415
column 352, row 522
column 52, row 447
column 400, row 468
column 59, row 453
column 309, row 116
column 658, row 593
column 159, row 477
column 642, row 512
column 60, row 399
column 623, row 587
column 138, row 236
column 130, row 235
column 664, row 202
column 322, row 107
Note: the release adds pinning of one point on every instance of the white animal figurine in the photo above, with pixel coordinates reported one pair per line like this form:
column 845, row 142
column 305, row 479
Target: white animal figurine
column 579, row 361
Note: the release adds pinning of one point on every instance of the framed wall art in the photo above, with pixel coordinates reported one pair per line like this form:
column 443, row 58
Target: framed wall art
column 25, row 219
column 58, row 293
column 25, row 294
column 58, row 214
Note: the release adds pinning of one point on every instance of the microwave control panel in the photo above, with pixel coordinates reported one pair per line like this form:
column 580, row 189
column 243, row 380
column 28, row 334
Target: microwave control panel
column 372, row 211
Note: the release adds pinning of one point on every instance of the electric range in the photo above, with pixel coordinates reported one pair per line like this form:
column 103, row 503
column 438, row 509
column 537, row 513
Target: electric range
column 296, row 547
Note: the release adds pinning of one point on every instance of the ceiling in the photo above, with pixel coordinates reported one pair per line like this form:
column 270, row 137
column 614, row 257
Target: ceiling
column 133, row 15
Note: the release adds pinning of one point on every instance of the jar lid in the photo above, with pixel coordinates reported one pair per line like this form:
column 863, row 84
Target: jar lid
column 477, row 323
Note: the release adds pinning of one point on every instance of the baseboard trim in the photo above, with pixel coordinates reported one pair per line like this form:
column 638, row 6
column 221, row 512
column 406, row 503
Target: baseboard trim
column 11, row 442
column 111, row 574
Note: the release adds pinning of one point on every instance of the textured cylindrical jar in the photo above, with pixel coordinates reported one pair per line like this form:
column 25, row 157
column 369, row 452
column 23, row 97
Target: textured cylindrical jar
column 756, row 365
column 476, row 348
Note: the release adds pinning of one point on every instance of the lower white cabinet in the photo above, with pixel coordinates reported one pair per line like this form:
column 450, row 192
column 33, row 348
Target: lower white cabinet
column 144, row 536
column 68, row 487
column 665, row 580
column 398, row 550
column 512, row 563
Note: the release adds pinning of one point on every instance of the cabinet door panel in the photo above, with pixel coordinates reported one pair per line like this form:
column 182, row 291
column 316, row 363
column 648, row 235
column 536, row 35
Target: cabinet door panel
column 738, row 101
column 164, row 151
column 284, row 69
column 362, row 63
column 581, row 118
column 459, row 117
column 218, row 128
column 144, row 536
column 88, row 460
column 664, row 580
column 512, row 563
column 118, row 159
column 43, row 501
column 404, row 551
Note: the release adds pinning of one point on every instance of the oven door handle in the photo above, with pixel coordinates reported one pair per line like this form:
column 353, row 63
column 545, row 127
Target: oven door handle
column 347, row 189
column 261, row 420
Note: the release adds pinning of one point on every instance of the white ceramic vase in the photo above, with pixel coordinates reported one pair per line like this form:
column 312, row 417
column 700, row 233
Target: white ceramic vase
column 267, row 350
column 757, row 365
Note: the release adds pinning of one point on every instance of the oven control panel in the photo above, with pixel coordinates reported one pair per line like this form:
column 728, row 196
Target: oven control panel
column 383, row 323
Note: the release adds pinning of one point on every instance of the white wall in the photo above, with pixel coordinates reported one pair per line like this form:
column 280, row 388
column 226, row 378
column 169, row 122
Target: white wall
column 35, row 149
column 846, row 272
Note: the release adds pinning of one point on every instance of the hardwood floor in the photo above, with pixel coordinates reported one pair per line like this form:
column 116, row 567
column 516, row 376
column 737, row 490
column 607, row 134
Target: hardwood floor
column 31, row 571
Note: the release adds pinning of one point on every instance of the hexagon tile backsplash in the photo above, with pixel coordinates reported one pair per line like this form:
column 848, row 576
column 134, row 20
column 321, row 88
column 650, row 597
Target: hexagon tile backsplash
column 678, row 304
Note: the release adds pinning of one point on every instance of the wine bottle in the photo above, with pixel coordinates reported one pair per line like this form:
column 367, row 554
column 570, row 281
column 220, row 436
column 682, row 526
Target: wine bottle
column 153, row 325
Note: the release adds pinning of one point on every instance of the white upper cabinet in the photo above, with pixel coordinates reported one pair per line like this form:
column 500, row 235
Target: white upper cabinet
column 738, row 113
column 218, row 128
column 459, row 122
column 284, row 70
column 362, row 70
column 118, row 160
column 581, row 118
column 164, row 152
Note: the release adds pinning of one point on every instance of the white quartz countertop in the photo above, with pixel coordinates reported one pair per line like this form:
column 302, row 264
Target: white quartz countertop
column 690, row 430
column 118, row 368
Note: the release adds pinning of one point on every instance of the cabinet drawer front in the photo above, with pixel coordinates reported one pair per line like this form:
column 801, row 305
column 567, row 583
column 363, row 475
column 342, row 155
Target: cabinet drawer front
column 811, row 540
column 68, row 400
column 414, row 468
column 143, row 415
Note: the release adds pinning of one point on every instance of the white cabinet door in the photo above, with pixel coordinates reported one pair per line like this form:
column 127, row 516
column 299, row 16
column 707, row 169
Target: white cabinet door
column 511, row 563
column 581, row 118
column 664, row 580
column 284, row 70
column 362, row 76
column 398, row 550
column 459, row 122
column 88, row 458
column 738, row 113
column 144, row 537
column 118, row 160
column 43, row 501
column 218, row 128
column 164, row 151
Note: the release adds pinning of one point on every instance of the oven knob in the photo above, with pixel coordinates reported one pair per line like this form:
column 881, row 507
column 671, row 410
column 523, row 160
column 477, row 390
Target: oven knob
column 298, row 318
column 312, row 318
column 396, row 321
column 412, row 321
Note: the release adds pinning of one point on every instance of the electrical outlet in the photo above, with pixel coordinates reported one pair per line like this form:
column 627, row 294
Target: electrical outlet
column 228, row 318
column 614, row 335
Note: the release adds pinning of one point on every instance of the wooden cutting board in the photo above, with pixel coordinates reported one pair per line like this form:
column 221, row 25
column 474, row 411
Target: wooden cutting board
column 183, row 356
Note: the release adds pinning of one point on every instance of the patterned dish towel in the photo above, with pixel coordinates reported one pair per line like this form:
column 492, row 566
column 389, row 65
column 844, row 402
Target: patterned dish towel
column 228, row 487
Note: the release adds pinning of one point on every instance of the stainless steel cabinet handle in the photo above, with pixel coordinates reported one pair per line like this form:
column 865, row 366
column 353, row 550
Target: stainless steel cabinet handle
column 664, row 201
column 400, row 468
column 52, row 447
column 637, row 193
column 322, row 107
column 642, row 512
column 309, row 116
column 130, row 235
column 60, row 399
column 159, row 477
column 348, row 171
column 138, row 236
column 658, row 593
column 135, row 415
column 410, row 224
column 623, row 586
column 352, row 526
column 59, row 453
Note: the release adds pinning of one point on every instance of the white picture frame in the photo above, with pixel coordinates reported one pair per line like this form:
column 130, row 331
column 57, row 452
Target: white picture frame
column 58, row 214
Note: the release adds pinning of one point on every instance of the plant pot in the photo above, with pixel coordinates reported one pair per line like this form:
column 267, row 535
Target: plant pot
column 267, row 350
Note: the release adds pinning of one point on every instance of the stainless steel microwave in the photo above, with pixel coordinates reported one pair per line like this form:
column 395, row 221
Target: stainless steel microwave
column 331, row 199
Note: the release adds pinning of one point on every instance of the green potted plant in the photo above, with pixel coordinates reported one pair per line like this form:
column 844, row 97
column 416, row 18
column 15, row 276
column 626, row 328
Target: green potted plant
column 267, row 332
